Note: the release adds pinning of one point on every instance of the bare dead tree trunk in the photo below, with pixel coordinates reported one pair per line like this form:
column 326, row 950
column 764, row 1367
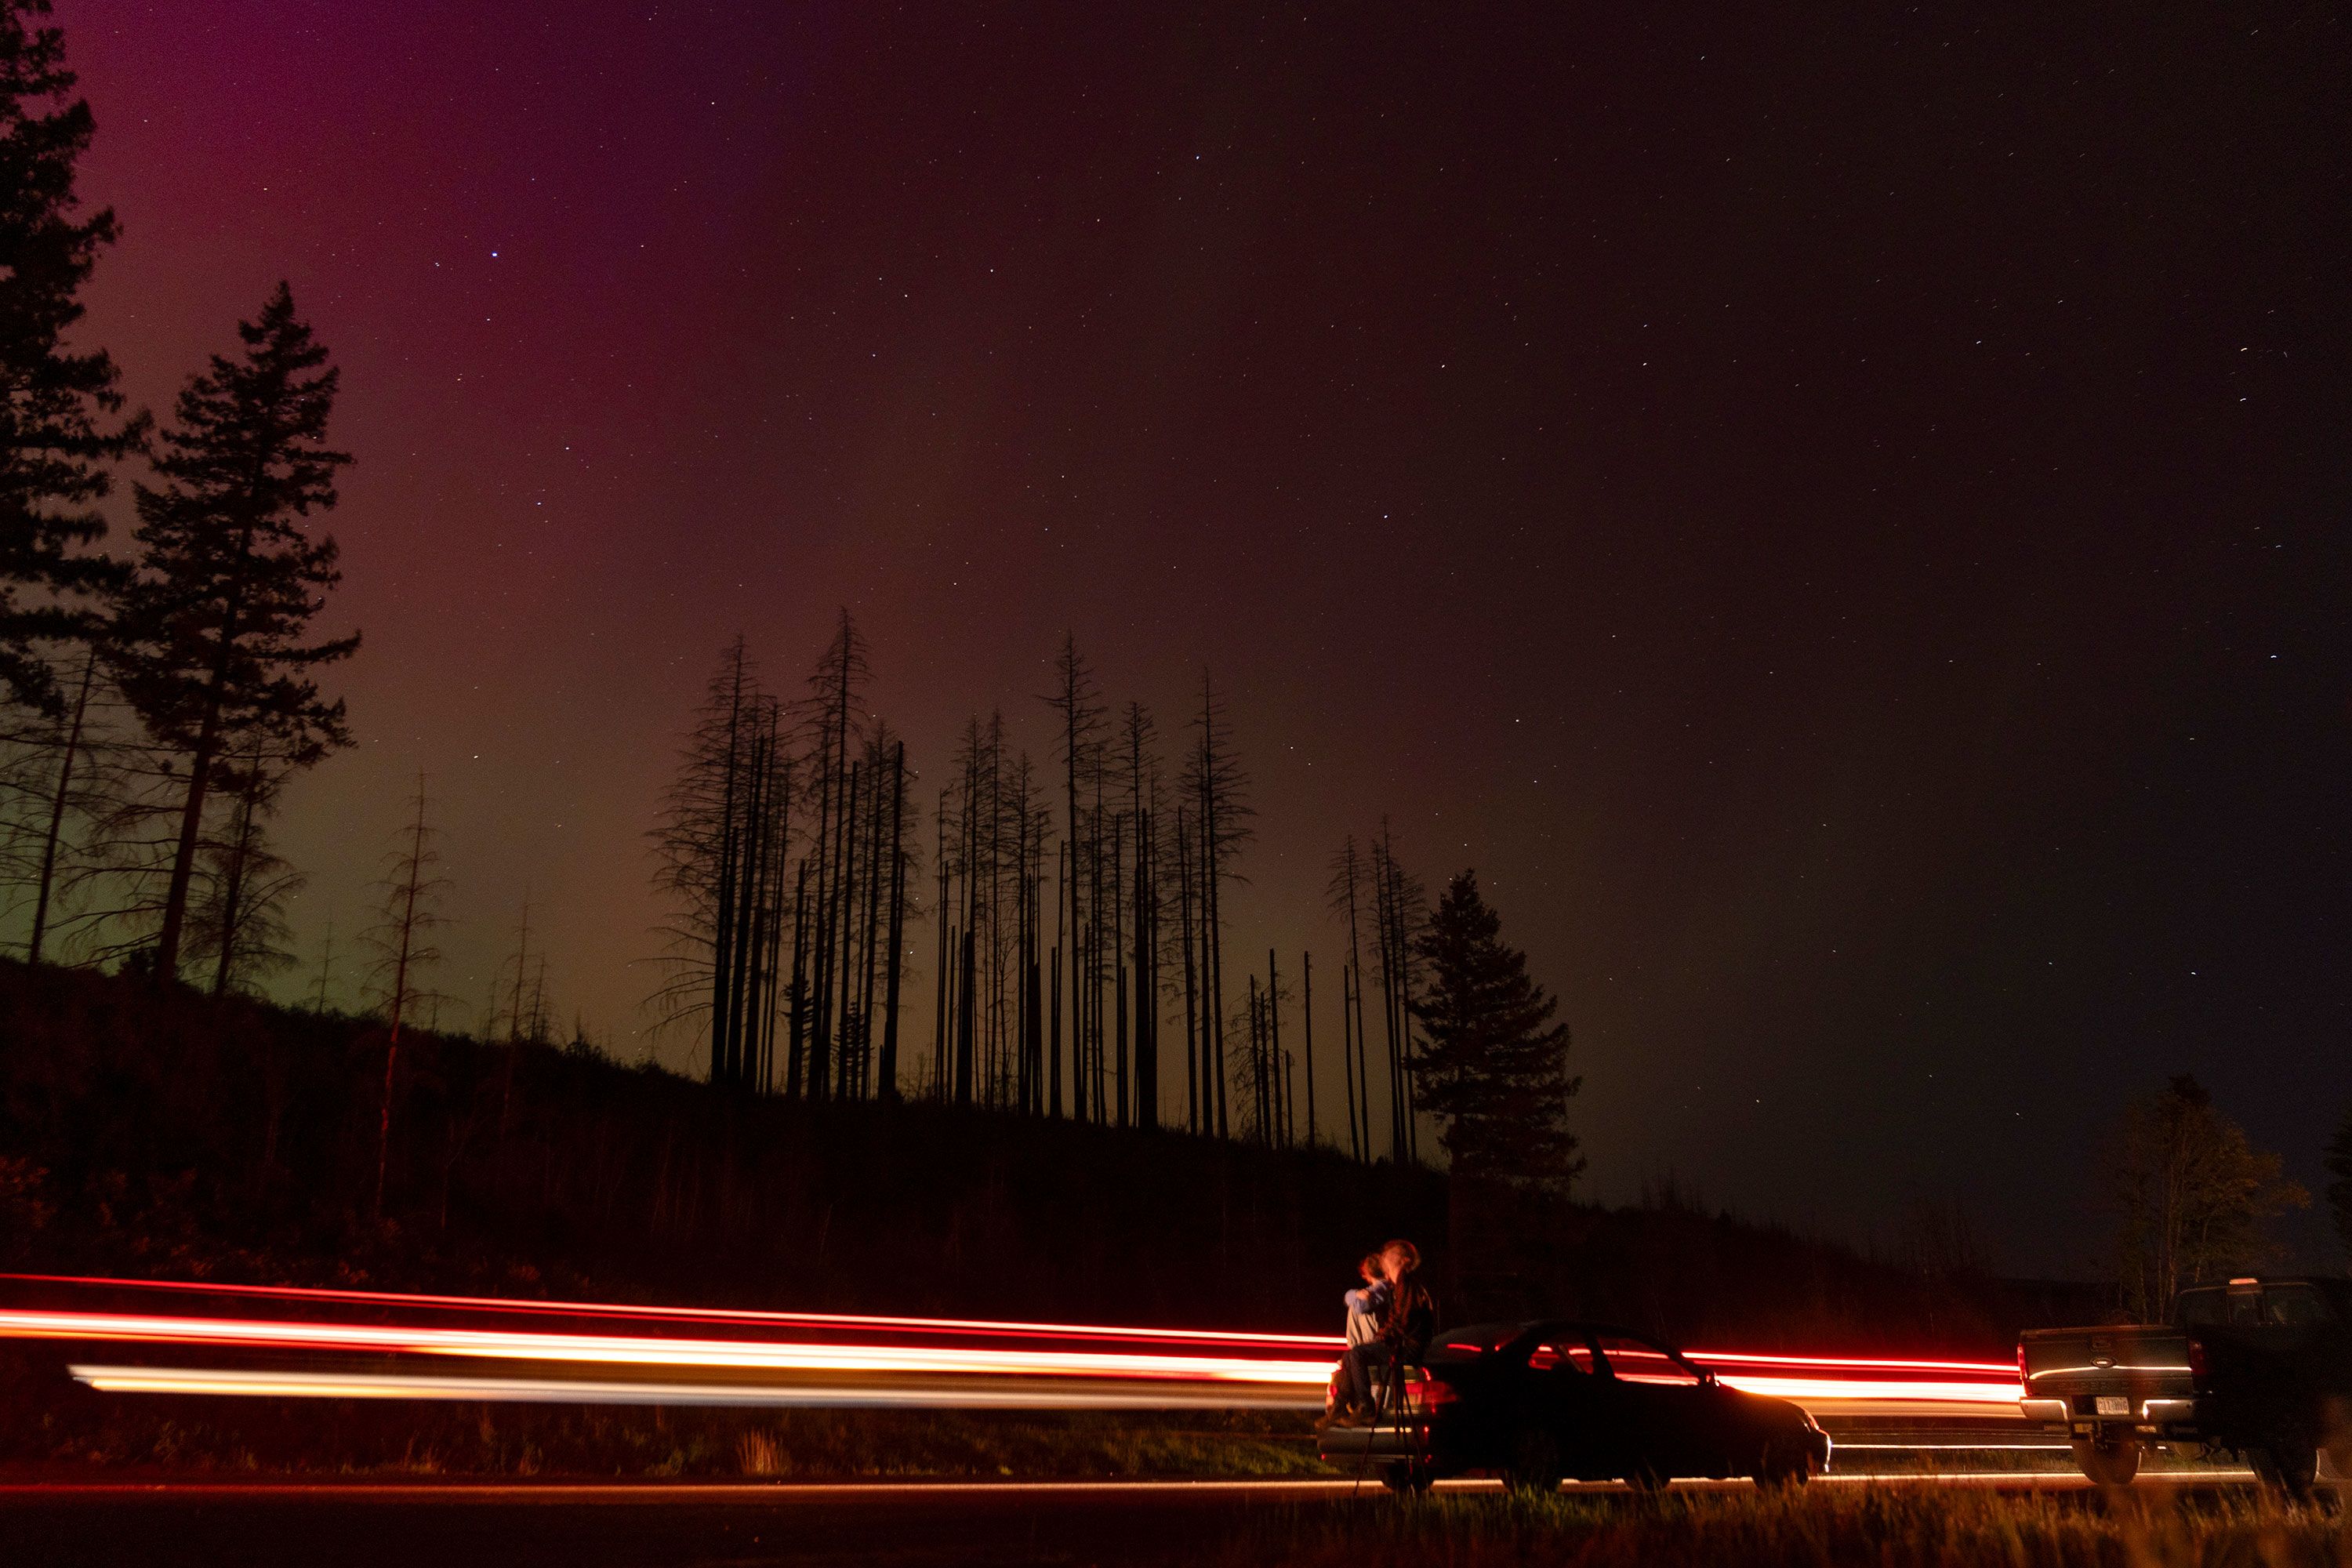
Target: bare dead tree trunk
column 820, row 1033
column 326, row 969
column 1306, row 1024
column 780, row 858
column 200, row 770
column 1214, row 949
column 796, row 1047
column 1184, row 929
column 1034, row 1048
column 889, row 1075
column 515, row 1020
column 722, row 941
column 964, row 1025
column 239, row 853
column 415, row 885
column 1363, row 1065
column 1075, row 699
column 1061, row 942
column 1273, row 1037
column 942, row 976
column 1147, row 979
column 875, row 932
column 1348, row 1066
column 1119, row 967
column 1261, row 1105
column 57, row 801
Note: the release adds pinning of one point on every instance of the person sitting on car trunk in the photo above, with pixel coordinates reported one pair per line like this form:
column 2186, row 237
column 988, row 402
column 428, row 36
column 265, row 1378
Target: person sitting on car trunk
column 1407, row 1317
column 1365, row 1302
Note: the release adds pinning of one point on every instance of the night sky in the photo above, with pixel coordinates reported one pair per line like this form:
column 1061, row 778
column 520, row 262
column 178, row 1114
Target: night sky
column 1841, row 520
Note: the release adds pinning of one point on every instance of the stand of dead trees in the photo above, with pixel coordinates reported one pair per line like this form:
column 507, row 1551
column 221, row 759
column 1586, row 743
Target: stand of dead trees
column 785, row 845
column 1369, row 887
column 1077, row 910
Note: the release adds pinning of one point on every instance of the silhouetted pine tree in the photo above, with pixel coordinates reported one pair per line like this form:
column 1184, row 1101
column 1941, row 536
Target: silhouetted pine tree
column 1492, row 1065
column 209, row 638
column 55, row 442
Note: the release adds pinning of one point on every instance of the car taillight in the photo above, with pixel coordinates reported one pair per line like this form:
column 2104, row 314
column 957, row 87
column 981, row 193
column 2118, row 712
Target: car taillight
column 1430, row 1392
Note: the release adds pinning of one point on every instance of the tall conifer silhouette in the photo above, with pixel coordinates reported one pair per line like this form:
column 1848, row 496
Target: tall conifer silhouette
column 211, row 638
column 56, row 434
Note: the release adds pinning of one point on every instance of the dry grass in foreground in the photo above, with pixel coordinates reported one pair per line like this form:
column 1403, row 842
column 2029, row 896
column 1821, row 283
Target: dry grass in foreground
column 1902, row 1526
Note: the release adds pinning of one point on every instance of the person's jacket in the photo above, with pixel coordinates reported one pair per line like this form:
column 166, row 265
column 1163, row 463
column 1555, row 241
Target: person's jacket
column 1409, row 1318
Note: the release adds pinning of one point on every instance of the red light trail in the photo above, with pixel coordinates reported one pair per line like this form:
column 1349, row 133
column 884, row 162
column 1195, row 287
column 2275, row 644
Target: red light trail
column 830, row 1359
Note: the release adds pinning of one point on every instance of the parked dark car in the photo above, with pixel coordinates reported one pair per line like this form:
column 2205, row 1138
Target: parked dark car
column 1538, row 1402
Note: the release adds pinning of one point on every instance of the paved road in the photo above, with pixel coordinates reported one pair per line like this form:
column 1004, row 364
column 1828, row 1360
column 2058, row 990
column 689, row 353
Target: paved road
column 619, row 1526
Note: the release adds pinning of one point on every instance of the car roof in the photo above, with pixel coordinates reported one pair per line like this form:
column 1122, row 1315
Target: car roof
column 1495, row 1335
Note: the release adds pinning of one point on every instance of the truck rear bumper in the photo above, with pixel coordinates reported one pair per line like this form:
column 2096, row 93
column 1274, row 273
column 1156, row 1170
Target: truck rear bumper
column 2158, row 1418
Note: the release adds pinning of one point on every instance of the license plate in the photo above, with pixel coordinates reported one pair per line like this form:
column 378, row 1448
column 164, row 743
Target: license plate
column 2114, row 1404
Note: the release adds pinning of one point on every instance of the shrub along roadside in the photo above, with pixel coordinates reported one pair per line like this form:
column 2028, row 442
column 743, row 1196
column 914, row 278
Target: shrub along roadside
column 56, row 1428
column 1884, row 1526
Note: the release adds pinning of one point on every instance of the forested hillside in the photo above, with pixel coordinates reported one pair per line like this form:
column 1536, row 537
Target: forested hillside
column 163, row 1133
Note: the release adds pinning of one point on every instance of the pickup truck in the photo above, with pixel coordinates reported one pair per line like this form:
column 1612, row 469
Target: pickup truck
column 2261, row 1368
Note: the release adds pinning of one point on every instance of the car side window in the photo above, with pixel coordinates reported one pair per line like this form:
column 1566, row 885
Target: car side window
column 1561, row 1356
column 1633, row 1360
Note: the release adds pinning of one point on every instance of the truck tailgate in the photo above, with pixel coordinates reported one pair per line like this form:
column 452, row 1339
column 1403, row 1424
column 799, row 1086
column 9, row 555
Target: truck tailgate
column 2138, row 1374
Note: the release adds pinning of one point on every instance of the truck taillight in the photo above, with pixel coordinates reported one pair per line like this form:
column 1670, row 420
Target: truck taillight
column 2196, row 1362
column 2024, row 1378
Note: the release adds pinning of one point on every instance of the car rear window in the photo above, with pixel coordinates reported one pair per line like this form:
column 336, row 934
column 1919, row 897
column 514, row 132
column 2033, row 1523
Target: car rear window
column 1634, row 1361
column 1467, row 1345
column 1556, row 1355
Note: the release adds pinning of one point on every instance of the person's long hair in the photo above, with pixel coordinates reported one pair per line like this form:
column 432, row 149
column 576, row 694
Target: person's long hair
column 1407, row 1293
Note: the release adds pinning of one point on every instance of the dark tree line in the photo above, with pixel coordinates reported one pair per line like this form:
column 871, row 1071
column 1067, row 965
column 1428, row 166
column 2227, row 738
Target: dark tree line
column 152, row 706
column 785, row 846
column 1077, row 910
